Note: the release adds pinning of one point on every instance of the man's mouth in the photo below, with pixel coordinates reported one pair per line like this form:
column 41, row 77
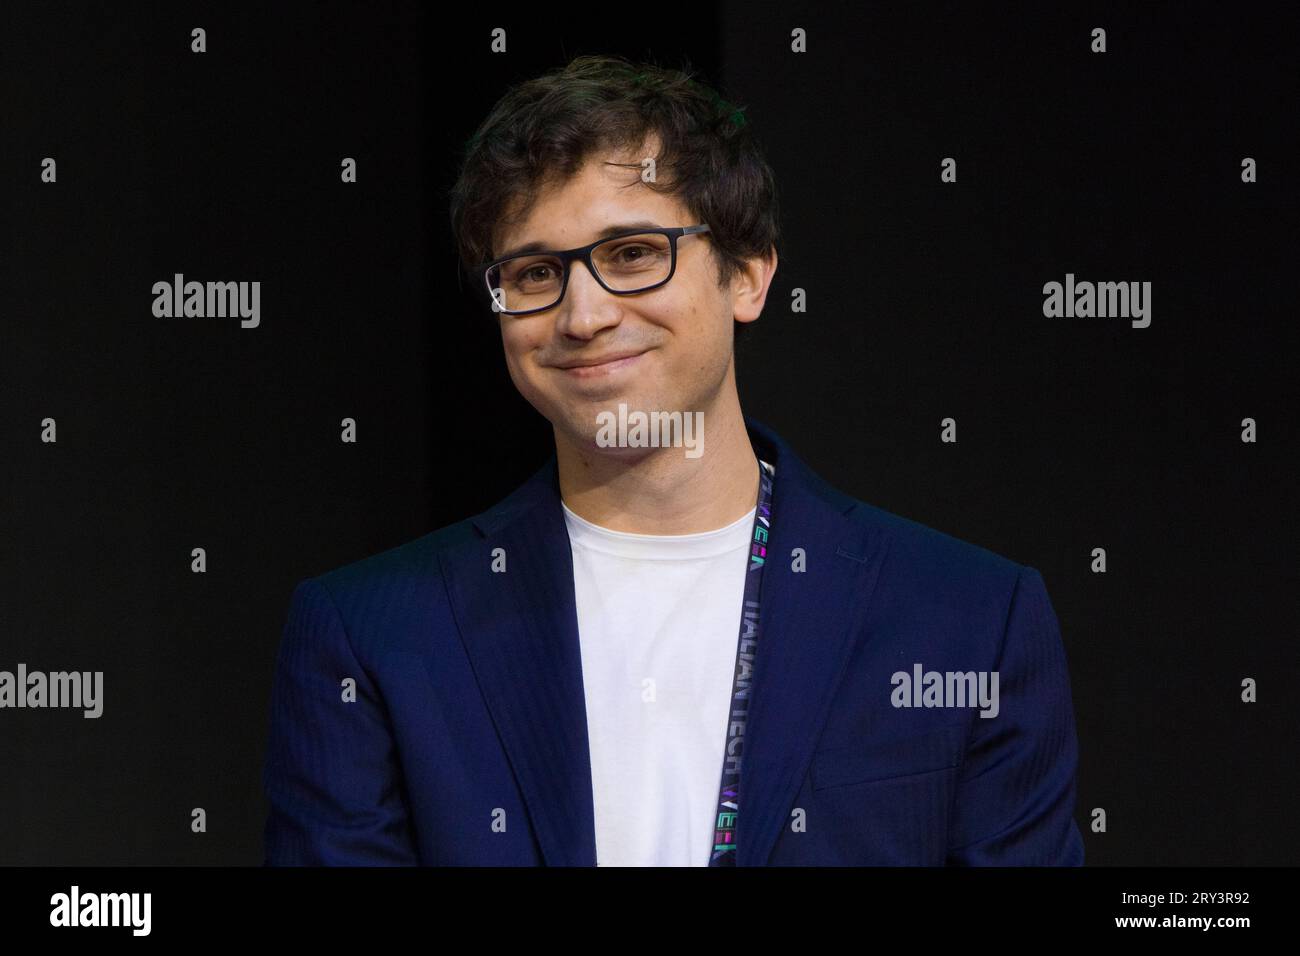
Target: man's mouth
column 599, row 365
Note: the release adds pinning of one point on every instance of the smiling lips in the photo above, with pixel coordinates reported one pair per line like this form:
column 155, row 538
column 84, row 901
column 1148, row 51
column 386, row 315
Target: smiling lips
column 601, row 366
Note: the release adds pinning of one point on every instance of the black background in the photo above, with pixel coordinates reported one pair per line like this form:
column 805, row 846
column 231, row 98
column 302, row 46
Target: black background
column 924, row 301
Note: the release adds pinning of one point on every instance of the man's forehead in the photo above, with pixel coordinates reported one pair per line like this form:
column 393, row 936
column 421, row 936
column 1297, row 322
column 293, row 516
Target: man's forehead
column 580, row 210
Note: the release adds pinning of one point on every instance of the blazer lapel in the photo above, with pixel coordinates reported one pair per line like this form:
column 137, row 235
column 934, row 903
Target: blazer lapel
column 809, row 625
column 520, row 631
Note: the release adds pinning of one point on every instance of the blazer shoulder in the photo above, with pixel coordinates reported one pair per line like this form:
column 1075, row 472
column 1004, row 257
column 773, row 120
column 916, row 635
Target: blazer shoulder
column 920, row 555
column 384, row 598
column 941, row 584
column 413, row 559
column 929, row 555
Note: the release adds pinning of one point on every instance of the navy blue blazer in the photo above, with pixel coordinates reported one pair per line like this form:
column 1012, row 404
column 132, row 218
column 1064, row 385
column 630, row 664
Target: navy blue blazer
column 466, row 743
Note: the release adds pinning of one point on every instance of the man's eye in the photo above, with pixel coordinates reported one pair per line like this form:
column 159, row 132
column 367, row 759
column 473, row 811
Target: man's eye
column 634, row 250
column 531, row 274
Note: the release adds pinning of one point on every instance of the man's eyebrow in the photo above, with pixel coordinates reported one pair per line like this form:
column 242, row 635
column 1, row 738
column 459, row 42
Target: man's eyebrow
column 610, row 230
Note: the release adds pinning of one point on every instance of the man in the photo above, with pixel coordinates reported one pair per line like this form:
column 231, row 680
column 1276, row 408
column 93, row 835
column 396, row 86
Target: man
column 689, row 651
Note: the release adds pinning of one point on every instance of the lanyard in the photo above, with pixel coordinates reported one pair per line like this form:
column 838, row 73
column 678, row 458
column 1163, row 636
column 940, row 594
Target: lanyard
column 724, row 834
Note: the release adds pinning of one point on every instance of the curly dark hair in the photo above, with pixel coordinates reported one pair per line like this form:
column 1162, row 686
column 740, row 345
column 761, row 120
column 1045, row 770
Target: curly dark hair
column 543, row 130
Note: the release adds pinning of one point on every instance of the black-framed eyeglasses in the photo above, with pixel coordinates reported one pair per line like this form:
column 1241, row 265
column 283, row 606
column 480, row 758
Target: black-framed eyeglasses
column 627, row 263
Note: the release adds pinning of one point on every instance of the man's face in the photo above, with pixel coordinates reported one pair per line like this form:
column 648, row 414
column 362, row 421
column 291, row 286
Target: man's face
column 678, row 336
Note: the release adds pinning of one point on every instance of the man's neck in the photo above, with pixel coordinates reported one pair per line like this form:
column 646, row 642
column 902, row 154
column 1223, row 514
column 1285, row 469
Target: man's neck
column 663, row 491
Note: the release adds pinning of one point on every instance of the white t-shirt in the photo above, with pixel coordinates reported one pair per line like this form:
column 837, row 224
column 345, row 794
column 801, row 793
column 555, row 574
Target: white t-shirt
column 658, row 624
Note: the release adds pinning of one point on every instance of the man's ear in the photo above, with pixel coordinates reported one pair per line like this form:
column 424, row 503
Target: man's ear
column 749, row 286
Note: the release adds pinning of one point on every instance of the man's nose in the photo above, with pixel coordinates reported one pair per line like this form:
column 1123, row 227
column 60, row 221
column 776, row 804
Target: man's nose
column 587, row 306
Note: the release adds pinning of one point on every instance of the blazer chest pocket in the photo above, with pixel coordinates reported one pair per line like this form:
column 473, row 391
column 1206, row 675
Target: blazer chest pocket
column 889, row 758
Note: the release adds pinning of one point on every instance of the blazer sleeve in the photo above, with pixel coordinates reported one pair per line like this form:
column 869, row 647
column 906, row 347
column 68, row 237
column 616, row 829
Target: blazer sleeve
column 331, row 771
column 1014, row 802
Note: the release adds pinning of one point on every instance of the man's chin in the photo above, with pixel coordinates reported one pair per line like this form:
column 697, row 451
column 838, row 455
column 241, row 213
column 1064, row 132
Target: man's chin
column 601, row 436
column 605, row 443
column 587, row 420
